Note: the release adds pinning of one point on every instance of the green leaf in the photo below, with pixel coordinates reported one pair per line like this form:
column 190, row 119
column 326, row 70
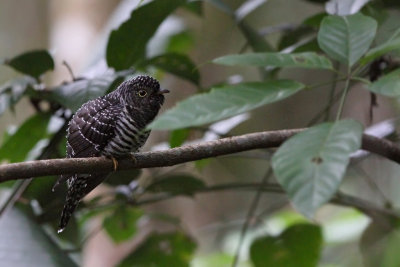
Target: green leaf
column 122, row 177
column 181, row 42
column 390, row 45
column 178, row 64
column 12, row 92
column 127, row 44
column 114, row 85
column 177, row 184
column 299, row 60
column 88, row 214
column 388, row 85
column 121, row 225
column 347, row 38
column 310, row 165
column 33, row 63
column 391, row 256
column 215, row 259
column 162, row 250
column 224, row 102
column 74, row 94
column 202, row 163
column 164, row 218
column 24, row 243
column 178, row 137
column 17, row 146
column 299, row 245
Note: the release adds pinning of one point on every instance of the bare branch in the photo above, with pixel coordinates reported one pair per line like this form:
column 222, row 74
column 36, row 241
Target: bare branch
column 177, row 155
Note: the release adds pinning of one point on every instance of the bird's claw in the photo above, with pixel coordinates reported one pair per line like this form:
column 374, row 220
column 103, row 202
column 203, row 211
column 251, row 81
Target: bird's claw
column 115, row 163
column 133, row 158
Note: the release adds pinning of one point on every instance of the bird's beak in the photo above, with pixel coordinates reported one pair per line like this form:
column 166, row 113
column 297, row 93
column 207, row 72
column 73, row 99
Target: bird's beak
column 163, row 91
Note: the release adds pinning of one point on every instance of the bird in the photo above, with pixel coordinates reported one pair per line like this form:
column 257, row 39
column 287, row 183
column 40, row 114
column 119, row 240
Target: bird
column 114, row 126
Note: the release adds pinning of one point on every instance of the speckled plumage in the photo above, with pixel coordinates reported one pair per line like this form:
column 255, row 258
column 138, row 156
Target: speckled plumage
column 113, row 126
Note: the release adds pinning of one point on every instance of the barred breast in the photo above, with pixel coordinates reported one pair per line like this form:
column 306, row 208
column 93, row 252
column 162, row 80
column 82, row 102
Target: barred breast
column 129, row 137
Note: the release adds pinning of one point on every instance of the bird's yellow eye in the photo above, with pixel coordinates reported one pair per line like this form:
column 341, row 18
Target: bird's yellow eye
column 142, row 93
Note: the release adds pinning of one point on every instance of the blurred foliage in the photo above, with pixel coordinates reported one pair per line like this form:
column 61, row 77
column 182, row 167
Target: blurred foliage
column 167, row 249
column 19, row 234
column 177, row 184
column 127, row 44
column 27, row 63
column 12, row 91
column 121, row 224
column 309, row 167
column 299, row 245
column 175, row 63
column 178, row 137
column 122, row 177
column 73, row 95
column 16, row 147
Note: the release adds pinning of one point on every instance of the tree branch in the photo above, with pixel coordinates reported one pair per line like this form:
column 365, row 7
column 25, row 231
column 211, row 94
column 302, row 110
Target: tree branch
column 177, row 155
column 340, row 199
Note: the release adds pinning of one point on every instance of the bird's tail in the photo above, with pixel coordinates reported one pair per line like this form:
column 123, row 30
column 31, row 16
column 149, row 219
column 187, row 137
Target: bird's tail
column 61, row 179
column 76, row 191
column 66, row 214
column 78, row 187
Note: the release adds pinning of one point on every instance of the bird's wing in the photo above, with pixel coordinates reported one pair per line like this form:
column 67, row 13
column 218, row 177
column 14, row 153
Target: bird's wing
column 91, row 128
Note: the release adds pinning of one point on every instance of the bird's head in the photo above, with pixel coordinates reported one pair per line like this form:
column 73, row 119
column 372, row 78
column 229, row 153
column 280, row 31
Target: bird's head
column 143, row 93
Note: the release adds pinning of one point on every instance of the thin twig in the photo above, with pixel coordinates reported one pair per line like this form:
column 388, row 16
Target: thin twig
column 319, row 115
column 331, row 98
column 336, row 98
column 250, row 216
column 71, row 73
column 16, row 192
column 343, row 99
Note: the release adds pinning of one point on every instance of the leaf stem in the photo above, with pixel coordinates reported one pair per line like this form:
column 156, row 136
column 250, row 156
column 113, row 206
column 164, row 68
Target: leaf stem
column 326, row 83
column 359, row 79
column 343, row 99
column 324, row 110
column 332, row 93
column 71, row 73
